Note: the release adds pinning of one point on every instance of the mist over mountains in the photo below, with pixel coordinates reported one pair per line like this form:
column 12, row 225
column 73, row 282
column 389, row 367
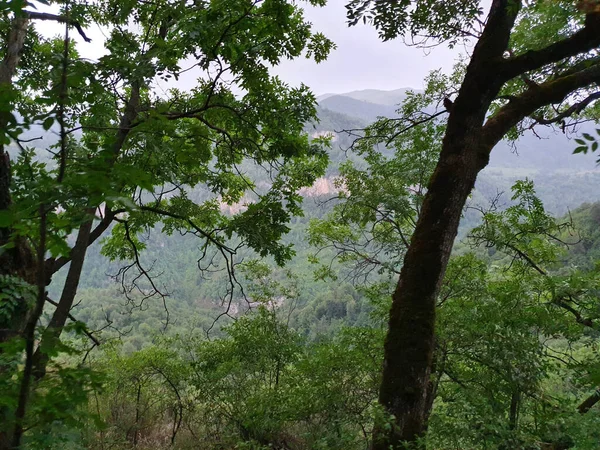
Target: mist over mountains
column 563, row 180
column 546, row 149
column 367, row 104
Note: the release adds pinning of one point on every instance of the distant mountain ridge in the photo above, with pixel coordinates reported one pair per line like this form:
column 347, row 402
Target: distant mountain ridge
column 357, row 108
column 366, row 104
column 376, row 96
column 547, row 150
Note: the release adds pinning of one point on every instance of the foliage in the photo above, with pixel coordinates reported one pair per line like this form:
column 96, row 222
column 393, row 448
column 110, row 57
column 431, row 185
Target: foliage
column 512, row 361
column 129, row 152
column 16, row 297
column 380, row 196
column 57, row 412
column 589, row 143
column 223, row 164
column 393, row 19
column 258, row 386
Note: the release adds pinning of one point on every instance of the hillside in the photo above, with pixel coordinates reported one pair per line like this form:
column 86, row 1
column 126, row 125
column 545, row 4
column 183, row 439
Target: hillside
column 376, row 96
column 563, row 182
column 362, row 109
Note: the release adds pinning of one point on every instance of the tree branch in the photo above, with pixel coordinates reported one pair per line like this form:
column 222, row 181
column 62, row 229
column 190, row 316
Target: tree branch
column 12, row 55
column 55, row 264
column 582, row 41
column 578, row 317
column 59, row 318
column 587, row 404
column 550, row 92
column 207, row 235
column 70, row 316
column 29, row 366
column 496, row 34
column 572, row 110
column 56, row 18
column 60, row 116
column 415, row 124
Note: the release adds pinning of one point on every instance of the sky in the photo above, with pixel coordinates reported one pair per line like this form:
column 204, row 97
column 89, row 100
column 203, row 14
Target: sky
column 360, row 61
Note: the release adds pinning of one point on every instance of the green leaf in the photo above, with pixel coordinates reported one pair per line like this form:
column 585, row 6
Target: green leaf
column 6, row 218
column 588, row 136
column 48, row 123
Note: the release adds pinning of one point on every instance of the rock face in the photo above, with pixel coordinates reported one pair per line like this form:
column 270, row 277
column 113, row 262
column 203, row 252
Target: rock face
column 322, row 186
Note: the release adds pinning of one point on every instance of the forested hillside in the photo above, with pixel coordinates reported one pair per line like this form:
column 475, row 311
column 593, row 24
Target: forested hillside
column 195, row 298
column 241, row 264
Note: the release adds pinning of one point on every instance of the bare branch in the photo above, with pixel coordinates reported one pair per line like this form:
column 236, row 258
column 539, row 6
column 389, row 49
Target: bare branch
column 142, row 273
column 71, row 317
column 207, row 235
column 574, row 109
column 62, row 19
column 414, row 124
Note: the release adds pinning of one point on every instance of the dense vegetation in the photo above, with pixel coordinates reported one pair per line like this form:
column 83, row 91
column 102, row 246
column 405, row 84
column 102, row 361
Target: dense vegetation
column 301, row 370
column 237, row 266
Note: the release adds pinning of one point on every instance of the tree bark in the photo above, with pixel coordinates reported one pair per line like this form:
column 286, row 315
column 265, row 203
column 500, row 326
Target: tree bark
column 18, row 260
column 61, row 314
column 409, row 344
column 589, row 402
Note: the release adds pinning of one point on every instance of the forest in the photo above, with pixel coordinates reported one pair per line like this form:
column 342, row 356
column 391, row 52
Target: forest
column 240, row 263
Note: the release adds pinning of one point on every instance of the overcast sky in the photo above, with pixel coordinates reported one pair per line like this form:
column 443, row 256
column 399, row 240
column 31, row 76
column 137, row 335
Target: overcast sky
column 361, row 60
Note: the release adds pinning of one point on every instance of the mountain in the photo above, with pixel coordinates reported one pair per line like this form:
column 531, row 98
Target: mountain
column 331, row 120
column 563, row 181
column 377, row 96
column 367, row 104
column 357, row 108
column 544, row 150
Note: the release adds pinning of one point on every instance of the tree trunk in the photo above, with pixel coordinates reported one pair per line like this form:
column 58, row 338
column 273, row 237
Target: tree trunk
column 409, row 344
column 52, row 333
column 18, row 260
column 438, row 367
column 513, row 417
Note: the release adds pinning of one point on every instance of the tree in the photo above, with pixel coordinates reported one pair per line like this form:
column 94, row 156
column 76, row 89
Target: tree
column 128, row 155
column 532, row 63
column 512, row 358
column 505, row 336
